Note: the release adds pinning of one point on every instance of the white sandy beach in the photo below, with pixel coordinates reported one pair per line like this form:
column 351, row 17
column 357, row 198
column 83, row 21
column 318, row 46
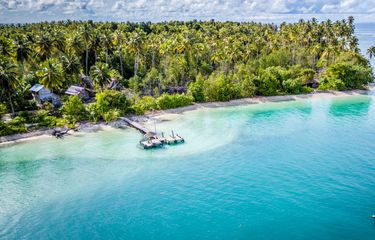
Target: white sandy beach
column 171, row 114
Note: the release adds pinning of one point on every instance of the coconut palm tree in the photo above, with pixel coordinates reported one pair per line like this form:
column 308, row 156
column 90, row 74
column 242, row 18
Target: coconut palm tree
column 44, row 46
column 86, row 35
column 135, row 44
column 71, row 65
column 9, row 80
column 100, row 74
column 23, row 50
column 5, row 47
column 371, row 52
column 51, row 74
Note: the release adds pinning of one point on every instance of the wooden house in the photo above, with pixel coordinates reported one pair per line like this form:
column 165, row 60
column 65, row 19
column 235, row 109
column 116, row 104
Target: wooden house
column 41, row 94
column 78, row 91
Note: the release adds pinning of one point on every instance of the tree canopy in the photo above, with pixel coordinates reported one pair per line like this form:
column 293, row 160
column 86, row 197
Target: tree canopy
column 206, row 60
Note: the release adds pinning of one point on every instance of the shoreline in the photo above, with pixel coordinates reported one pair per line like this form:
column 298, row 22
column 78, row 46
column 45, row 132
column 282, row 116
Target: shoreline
column 170, row 114
column 260, row 100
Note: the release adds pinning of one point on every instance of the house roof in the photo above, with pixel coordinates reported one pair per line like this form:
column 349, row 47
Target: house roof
column 75, row 90
column 37, row 88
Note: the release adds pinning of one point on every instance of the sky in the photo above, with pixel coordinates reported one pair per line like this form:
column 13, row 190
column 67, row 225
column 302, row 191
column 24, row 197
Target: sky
column 20, row 11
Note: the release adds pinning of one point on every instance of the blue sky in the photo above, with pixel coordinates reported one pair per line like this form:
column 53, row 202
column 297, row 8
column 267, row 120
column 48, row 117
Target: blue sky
column 12, row 11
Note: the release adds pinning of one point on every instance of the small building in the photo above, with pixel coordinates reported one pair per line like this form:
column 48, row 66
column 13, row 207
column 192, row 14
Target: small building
column 41, row 94
column 78, row 91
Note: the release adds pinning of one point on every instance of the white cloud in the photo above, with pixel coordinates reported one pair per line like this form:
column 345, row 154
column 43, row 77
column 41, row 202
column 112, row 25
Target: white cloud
column 159, row 10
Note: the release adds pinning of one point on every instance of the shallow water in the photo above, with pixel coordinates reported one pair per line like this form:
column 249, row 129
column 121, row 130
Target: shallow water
column 288, row 170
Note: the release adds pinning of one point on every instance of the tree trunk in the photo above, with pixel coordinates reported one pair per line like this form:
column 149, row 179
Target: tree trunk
column 87, row 59
column 196, row 64
column 293, row 56
column 153, row 59
column 121, row 68
column 10, row 102
column 136, row 64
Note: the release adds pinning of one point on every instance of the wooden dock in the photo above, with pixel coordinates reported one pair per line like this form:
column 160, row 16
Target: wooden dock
column 137, row 126
column 151, row 139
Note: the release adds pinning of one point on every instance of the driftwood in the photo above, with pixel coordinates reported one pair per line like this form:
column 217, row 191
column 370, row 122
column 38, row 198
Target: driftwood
column 59, row 133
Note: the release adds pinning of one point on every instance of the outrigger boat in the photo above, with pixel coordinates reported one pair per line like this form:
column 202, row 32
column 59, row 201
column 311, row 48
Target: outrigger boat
column 174, row 139
column 152, row 140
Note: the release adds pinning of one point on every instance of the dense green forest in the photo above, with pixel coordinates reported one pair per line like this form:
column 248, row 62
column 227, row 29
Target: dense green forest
column 169, row 64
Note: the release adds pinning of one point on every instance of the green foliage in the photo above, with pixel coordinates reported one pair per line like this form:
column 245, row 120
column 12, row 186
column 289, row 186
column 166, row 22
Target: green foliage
column 167, row 101
column 145, row 104
column 111, row 115
column 3, row 109
column 74, row 110
column 270, row 80
column 111, row 100
column 244, row 80
column 50, row 74
column 279, row 80
column 353, row 58
column 214, row 61
column 93, row 112
column 343, row 76
column 100, row 74
column 16, row 125
column 44, row 119
column 218, row 87
column 196, row 89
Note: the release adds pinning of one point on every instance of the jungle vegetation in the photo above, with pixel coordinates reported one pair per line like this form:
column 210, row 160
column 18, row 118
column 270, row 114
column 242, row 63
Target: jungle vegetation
column 170, row 64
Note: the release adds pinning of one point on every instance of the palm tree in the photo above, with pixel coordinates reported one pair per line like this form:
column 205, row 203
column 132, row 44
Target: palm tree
column 135, row 44
column 51, row 74
column 5, row 47
column 9, row 80
column 107, row 44
column 99, row 74
column 371, row 52
column 44, row 46
column 119, row 39
column 86, row 34
column 23, row 50
column 71, row 64
column 59, row 41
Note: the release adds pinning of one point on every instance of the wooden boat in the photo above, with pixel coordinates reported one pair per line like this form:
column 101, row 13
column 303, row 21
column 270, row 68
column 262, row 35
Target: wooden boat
column 174, row 140
column 151, row 140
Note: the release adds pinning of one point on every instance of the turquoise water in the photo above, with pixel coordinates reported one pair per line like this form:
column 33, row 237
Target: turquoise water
column 288, row 170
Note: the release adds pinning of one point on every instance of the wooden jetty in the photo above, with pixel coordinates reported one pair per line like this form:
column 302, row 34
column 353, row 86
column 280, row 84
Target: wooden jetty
column 151, row 139
column 136, row 125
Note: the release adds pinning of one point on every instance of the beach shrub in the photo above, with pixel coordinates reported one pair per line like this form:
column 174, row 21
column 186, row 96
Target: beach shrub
column 167, row 101
column 44, row 119
column 244, row 80
column 196, row 89
column 74, row 110
column 279, row 80
column 111, row 115
column 111, row 100
column 270, row 80
column 342, row 76
column 16, row 125
column 3, row 109
column 145, row 104
column 218, row 87
column 93, row 112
